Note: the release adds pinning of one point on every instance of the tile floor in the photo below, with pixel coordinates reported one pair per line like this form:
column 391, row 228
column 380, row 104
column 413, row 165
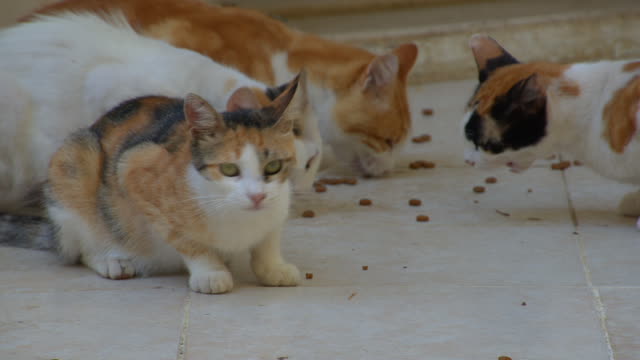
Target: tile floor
column 556, row 279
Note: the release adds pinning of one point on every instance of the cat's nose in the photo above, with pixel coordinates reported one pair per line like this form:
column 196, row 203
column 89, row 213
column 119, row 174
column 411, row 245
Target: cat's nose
column 257, row 198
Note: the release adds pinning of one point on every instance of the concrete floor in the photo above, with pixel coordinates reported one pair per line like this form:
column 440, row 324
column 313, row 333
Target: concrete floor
column 557, row 279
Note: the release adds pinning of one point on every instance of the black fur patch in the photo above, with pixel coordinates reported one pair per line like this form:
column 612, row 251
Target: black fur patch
column 118, row 114
column 495, row 63
column 259, row 119
column 165, row 118
column 273, row 92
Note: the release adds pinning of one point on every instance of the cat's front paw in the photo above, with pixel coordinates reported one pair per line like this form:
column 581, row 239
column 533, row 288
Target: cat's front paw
column 281, row 274
column 214, row 282
column 114, row 268
column 630, row 204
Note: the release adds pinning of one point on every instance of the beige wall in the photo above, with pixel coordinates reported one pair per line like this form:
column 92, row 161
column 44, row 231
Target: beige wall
column 10, row 10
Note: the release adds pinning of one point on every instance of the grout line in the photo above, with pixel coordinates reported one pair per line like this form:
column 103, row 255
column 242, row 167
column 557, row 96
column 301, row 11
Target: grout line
column 182, row 344
column 597, row 299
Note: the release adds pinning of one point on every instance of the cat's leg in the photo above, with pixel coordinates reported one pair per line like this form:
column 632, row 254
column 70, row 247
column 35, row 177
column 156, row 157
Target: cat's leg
column 630, row 204
column 80, row 241
column 269, row 266
column 207, row 272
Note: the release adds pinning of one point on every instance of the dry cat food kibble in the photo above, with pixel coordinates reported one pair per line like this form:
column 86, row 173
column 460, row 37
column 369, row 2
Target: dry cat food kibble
column 560, row 165
column 491, row 180
column 308, row 276
column 421, row 164
column 504, row 358
column 337, row 181
column 320, row 188
column 365, row 202
column 427, row 111
column 577, row 163
column 350, row 181
column 365, row 267
column 422, row 218
column 308, row 214
column 478, row 189
column 421, row 139
column 415, row 202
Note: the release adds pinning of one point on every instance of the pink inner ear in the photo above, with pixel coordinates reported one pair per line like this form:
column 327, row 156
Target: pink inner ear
column 243, row 98
column 381, row 73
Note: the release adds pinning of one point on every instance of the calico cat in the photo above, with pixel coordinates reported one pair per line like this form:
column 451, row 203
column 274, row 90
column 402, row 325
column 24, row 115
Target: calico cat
column 521, row 112
column 158, row 183
column 360, row 98
column 55, row 76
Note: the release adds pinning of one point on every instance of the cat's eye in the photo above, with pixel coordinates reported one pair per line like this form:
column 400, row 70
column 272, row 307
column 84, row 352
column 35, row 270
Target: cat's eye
column 273, row 167
column 229, row 169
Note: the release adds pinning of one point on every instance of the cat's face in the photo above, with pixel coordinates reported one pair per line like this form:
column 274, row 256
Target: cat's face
column 243, row 158
column 506, row 121
column 372, row 114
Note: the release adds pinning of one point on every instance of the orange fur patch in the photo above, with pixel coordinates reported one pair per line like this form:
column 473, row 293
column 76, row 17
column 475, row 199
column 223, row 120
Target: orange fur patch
column 631, row 67
column 569, row 88
column 504, row 78
column 620, row 115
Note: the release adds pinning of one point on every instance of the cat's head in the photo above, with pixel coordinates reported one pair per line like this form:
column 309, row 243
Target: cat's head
column 372, row 117
column 507, row 119
column 242, row 159
column 308, row 142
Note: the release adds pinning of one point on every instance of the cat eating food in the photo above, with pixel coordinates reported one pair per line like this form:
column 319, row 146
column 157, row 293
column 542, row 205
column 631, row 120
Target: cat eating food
column 521, row 112
column 359, row 98
column 159, row 183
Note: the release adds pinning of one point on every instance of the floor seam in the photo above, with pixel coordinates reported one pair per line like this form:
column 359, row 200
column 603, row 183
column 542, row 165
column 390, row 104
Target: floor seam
column 595, row 292
column 184, row 329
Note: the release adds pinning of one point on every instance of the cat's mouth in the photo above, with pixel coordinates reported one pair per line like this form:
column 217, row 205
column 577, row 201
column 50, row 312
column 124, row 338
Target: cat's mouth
column 369, row 166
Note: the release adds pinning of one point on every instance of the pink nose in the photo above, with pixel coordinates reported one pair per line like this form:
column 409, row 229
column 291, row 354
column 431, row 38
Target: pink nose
column 257, row 198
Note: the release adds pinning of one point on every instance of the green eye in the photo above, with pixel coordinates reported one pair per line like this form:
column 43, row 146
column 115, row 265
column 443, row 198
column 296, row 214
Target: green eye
column 273, row 167
column 229, row 169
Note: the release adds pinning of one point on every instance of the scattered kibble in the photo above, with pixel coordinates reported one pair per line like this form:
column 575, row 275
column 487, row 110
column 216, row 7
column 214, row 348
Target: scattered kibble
column 415, row 202
column 421, row 139
column 504, row 358
column 491, row 180
column 560, row 165
column 577, row 163
column 478, row 189
column 365, row 202
column 308, row 276
column 524, row 303
column 308, row 214
column 337, row 181
column 320, row 188
column 421, row 164
column 352, row 295
column 534, row 219
column 427, row 111
column 350, row 181
column 529, row 190
column 476, row 202
column 422, row 218
column 365, row 267
column 503, row 213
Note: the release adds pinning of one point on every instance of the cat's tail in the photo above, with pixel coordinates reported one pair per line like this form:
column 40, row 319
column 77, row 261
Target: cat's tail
column 26, row 231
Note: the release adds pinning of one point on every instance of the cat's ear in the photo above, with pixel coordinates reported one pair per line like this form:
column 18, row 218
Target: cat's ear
column 243, row 98
column 380, row 74
column 202, row 118
column 407, row 55
column 489, row 55
column 528, row 94
column 299, row 107
column 284, row 105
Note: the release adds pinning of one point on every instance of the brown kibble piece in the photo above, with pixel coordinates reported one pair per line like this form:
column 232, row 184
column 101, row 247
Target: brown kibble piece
column 365, row 267
column 491, row 180
column 414, row 165
column 350, row 181
column 320, row 188
column 308, row 214
column 427, row 111
column 308, row 276
column 504, row 358
column 421, row 139
column 529, row 190
column 478, row 189
column 524, row 303
column 365, row 202
column 415, row 202
column 577, row 163
column 422, row 218
column 560, row 165
column 427, row 164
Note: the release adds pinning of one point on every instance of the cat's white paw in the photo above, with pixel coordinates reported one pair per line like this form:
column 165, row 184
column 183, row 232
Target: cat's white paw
column 213, row 282
column 281, row 274
column 114, row 268
column 630, row 204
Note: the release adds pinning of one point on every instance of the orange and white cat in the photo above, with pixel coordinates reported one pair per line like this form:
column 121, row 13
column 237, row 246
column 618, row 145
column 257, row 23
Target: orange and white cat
column 360, row 98
column 521, row 112
column 159, row 183
column 60, row 73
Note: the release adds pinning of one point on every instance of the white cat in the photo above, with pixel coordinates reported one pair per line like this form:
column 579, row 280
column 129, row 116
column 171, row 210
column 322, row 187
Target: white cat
column 60, row 73
column 523, row 112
